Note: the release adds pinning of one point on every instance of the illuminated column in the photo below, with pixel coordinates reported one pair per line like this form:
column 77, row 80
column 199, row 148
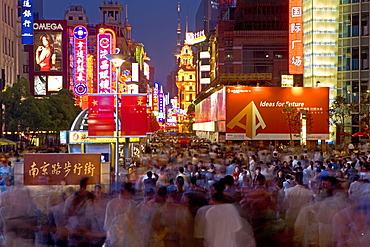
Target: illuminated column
column 304, row 127
column 320, row 39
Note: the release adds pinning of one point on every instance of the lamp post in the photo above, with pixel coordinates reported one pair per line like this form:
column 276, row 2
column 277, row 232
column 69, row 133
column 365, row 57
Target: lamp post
column 117, row 60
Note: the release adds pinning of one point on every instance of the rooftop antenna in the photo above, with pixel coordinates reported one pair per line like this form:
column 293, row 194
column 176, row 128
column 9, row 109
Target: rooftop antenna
column 127, row 25
column 178, row 24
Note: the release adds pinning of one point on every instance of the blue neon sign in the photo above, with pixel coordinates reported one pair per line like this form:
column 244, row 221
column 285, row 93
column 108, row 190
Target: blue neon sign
column 27, row 22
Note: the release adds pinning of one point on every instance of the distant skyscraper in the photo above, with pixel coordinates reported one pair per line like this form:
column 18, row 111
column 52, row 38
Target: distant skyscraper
column 207, row 15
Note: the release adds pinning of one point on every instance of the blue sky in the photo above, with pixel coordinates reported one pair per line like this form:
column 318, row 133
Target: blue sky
column 153, row 22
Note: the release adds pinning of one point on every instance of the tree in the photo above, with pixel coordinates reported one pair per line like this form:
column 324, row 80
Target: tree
column 63, row 110
column 12, row 98
column 340, row 113
column 25, row 113
column 292, row 116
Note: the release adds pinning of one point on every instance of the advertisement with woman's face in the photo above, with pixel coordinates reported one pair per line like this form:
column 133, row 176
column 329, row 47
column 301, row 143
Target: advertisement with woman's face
column 48, row 51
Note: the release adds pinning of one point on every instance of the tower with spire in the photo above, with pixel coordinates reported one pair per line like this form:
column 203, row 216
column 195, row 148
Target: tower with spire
column 177, row 48
column 186, row 73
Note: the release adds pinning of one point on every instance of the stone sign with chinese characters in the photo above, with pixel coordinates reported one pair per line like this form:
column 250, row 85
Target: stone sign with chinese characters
column 50, row 168
column 295, row 37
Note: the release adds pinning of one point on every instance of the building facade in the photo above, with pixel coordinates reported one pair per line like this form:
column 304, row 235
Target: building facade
column 10, row 45
column 186, row 79
column 353, row 61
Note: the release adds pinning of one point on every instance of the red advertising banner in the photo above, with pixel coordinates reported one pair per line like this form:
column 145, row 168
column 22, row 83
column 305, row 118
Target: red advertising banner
column 51, row 168
column 255, row 112
column 133, row 115
column 101, row 115
column 295, row 37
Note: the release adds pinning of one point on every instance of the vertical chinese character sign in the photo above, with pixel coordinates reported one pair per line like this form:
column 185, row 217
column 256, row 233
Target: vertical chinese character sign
column 80, row 60
column 106, row 45
column 161, row 107
column 27, row 22
column 101, row 115
column 295, row 37
column 155, row 98
column 134, row 115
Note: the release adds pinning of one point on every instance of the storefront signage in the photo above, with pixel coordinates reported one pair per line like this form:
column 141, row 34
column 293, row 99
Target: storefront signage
column 50, row 169
column 48, row 26
column 79, row 137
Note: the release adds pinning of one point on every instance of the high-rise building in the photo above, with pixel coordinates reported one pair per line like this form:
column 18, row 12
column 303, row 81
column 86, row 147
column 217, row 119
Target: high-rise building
column 353, row 61
column 253, row 41
column 10, row 44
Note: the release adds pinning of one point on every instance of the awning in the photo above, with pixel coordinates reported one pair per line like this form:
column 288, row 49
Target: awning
column 4, row 141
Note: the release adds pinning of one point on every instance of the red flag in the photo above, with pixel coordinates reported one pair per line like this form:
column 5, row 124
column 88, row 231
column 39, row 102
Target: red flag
column 152, row 124
column 133, row 115
column 101, row 115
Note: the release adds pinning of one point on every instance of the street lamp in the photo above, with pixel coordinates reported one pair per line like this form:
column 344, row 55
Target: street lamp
column 117, row 60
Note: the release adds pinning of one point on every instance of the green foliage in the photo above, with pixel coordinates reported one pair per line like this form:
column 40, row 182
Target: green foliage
column 25, row 113
column 62, row 109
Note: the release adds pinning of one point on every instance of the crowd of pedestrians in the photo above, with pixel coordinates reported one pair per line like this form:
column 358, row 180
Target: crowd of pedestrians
column 208, row 196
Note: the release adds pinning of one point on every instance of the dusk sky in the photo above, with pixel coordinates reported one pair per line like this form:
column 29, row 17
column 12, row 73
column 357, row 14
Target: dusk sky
column 153, row 22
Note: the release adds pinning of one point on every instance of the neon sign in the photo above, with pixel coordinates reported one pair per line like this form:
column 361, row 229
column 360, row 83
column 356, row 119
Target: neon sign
column 161, row 107
column 80, row 60
column 27, row 22
column 155, row 96
column 106, row 45
column 295, row 37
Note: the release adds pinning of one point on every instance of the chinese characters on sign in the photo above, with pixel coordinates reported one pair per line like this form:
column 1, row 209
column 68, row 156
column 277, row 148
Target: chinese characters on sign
column 161, row 107
column 27, row 22
column 155, row 97
column 105, row 46
column 50, row 169
column 295, row 37
column 80, row 60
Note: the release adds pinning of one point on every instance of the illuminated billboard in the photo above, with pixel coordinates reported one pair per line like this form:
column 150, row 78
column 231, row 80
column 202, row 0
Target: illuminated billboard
column 80, row 60
column 295, row 37
column 48, row 63
column 195, row 38
column 255, row 112
column 106, row 45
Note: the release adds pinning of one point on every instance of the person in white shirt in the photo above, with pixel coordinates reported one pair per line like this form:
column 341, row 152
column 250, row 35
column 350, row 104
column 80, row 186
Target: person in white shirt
column 295, row 198
column 224, row 226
